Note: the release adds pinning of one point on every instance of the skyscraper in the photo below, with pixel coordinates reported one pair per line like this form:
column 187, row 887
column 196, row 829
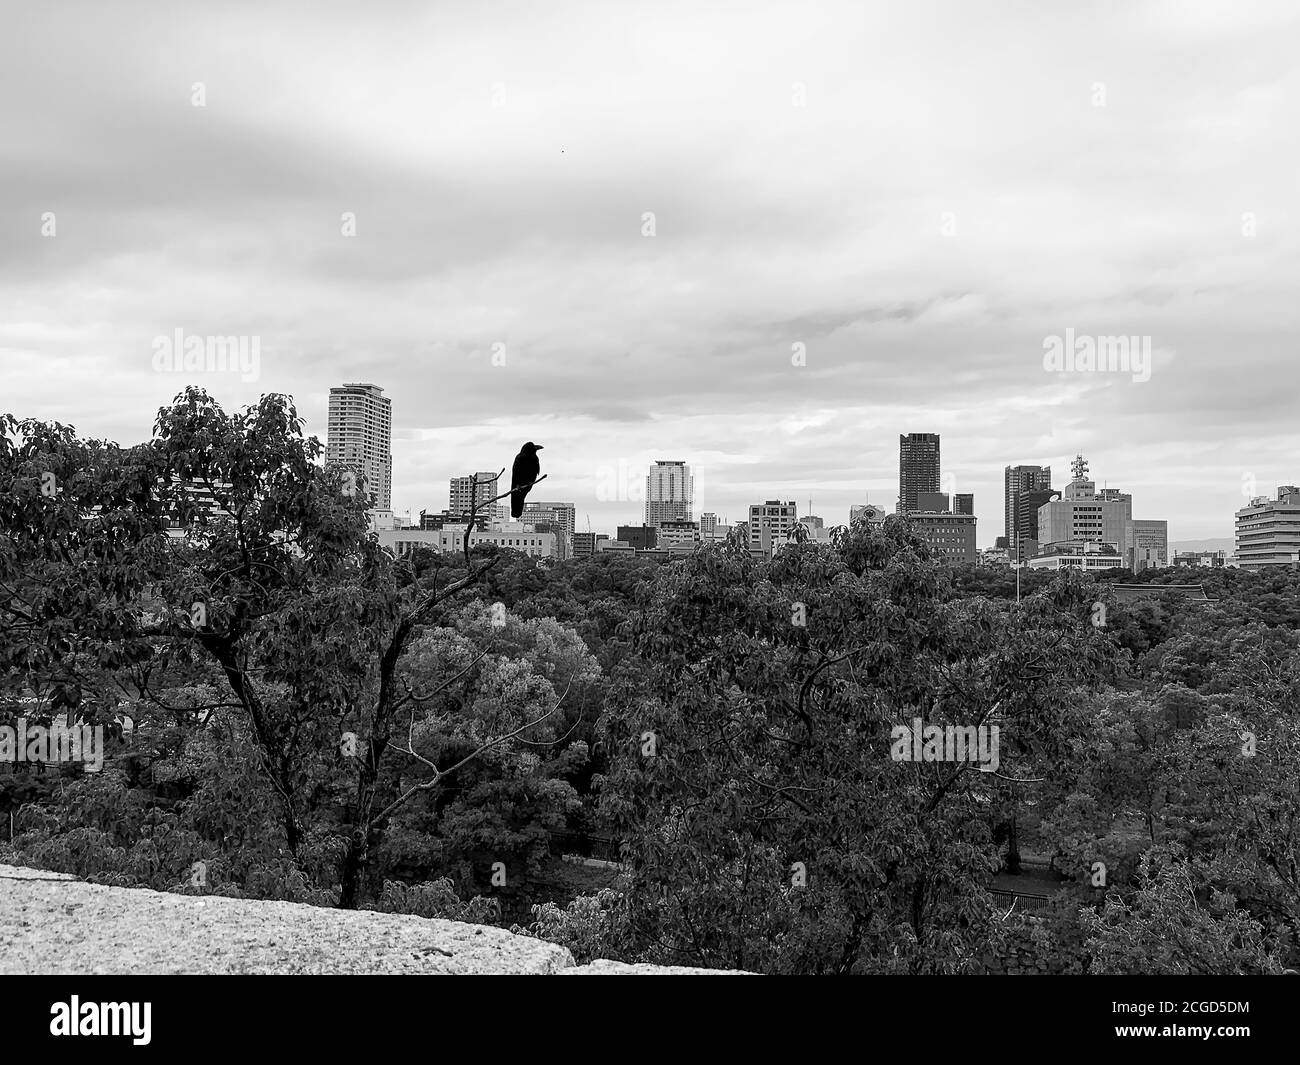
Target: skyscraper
column 360, row 438
column 669, row 492
column 1018, row 480
column 1026, row 519
column 918, row 468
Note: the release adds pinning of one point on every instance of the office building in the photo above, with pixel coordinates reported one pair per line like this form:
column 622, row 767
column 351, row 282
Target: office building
column 553, row 517
column 1199, row 559
column 562, row 515
column 465, row 492
column 1268, row 530
column 1150, row 544
column 360, row 439
column 918, row 468
column 669, row 492
column 1082, row 514
column 1028, row 503
column 932, row 503
column 584, row 543
column 1083, row 555
column 515, row 536
column 770, row 524
column 951, row 537
column 1017, row 480
column 678, row 533
column 963, row 503
column 641, row 537
column 437, row 520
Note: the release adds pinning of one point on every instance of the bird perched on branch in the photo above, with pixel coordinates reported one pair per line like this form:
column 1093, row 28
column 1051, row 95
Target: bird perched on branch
column 522, row 475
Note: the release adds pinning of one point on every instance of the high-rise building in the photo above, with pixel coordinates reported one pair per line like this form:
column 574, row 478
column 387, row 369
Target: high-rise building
column 474, row 488
column 932, row 503
column 1268, row 530
column 770, row 524
column 669, row 492
column 1028, row 503
column 708, row 525
column 360, row 439
column 963, row 503
column 918, row 468
column 1018, row 480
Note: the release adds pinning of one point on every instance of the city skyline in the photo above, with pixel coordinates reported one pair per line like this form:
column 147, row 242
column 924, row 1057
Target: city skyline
column 766, row 245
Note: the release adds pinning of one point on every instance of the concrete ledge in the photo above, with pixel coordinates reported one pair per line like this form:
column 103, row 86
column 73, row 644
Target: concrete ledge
column 51, row 923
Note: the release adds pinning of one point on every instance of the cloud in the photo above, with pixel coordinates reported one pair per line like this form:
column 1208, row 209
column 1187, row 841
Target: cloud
column 917, row 194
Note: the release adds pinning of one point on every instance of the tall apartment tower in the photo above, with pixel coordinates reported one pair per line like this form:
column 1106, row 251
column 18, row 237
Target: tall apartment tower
column 669, row 492
column 475, row 488
column 1020, row 480
column 360, row 438
column 918, row 468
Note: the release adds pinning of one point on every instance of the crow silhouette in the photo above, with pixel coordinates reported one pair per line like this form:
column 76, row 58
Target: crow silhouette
column 522, row 475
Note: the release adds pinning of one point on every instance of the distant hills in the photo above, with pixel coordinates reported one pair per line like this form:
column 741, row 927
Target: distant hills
column 1218, row 543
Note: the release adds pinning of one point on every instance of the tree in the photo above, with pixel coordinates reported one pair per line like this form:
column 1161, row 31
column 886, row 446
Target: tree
column 278, row 601
column 767, row 825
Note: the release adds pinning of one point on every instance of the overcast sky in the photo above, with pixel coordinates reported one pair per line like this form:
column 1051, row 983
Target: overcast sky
column 919, row 194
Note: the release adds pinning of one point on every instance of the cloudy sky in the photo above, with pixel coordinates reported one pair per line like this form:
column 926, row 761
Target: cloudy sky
column 762, row 238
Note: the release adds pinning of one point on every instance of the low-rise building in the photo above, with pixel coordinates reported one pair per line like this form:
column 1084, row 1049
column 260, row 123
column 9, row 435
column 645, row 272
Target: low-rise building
column 1086, row 555
column 450, row 539
column 1201, row 559
column 584, row 543
column 951, row 537
column 679, row 533
column 641, row 537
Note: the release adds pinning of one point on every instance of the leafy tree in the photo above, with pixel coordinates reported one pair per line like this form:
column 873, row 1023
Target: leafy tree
column 754, row 745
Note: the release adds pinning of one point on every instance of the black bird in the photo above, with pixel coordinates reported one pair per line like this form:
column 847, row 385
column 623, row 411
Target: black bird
column 522, row 475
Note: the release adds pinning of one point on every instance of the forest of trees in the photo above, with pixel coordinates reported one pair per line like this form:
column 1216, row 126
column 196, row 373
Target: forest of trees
column 291, row 713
